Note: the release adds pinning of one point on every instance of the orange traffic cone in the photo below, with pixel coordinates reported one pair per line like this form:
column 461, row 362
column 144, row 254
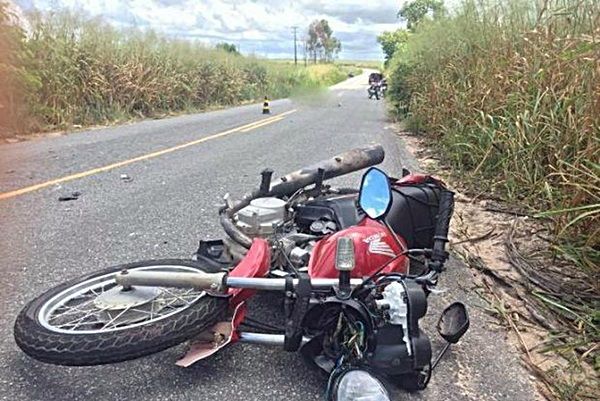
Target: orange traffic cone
column 266, row 109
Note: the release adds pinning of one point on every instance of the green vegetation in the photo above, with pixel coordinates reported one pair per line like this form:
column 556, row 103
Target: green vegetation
column 73, row 71
column 416, row 11
column 392, row 41
column 510, row 93
column 328, row 74
column 320, row 43
column 228, row 47
column 373, row 64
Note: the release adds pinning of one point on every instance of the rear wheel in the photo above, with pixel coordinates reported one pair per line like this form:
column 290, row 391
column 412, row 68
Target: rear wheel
column 93, row 321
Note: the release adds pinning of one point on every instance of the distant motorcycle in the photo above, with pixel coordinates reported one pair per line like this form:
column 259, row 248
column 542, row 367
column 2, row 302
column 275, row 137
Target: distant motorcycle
column 375, row 77
column 355, row 268
column 383, row 87
column 375, row 90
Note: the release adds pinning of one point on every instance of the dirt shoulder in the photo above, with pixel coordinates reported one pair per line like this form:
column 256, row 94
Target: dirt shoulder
column 520, row 279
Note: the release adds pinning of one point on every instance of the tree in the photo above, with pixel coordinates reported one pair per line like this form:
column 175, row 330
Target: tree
column 228, row 47
column 415, row 11
column 320, row 42
column 391, row 42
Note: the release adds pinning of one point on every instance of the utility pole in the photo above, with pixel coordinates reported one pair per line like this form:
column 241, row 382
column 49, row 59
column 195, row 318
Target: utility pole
column 295, row 28
column 304, row 46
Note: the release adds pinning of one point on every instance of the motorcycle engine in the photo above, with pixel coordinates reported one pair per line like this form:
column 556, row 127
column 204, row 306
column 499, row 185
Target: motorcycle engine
column 261, row 217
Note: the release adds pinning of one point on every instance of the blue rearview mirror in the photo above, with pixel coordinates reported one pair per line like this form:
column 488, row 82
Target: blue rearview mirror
column 375, row 193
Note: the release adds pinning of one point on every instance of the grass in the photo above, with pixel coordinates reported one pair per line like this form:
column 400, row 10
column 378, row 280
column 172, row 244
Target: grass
column 372, row 64
column 74, row 71
column 509, row 92
column 328, row 74
column 512, row 92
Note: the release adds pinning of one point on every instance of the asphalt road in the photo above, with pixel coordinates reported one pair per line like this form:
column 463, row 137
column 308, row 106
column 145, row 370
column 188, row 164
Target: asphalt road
column 169, row 205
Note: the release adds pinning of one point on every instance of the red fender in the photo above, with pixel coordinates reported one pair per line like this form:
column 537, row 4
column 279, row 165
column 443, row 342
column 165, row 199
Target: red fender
column 255, row 264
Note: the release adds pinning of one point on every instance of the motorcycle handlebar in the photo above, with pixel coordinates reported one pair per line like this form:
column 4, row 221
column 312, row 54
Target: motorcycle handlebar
column 442, row 227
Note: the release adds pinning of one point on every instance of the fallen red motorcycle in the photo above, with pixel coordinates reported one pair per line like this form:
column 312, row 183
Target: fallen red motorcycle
column 354, row 267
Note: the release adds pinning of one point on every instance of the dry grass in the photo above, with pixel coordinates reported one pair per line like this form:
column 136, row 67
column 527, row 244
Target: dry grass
column 14, row 79
column 373, row 64
column 524, row 286
column 510, row 94
column 83, row 72
column 329, row 74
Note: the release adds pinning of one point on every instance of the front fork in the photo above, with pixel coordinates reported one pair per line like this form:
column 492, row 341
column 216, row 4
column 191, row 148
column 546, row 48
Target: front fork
column 217, row 282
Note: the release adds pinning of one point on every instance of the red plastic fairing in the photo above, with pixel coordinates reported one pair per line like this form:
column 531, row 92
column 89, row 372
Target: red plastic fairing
column 415, row 178
column 214, row 339
column 255, row 264
column 374, row 245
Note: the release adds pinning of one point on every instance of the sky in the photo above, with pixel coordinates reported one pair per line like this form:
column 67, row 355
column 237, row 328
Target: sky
column 261, row 27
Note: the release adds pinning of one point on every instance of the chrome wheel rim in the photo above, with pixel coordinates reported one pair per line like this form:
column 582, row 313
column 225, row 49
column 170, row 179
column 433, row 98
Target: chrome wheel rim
column 82, row 308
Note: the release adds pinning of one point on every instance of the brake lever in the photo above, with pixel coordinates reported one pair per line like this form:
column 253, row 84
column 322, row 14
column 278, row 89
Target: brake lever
column 436, row 291
column 429, row 280
column 419, row 252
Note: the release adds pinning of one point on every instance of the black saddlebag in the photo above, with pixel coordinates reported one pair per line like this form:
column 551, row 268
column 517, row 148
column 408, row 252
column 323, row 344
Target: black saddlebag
column 413, row 212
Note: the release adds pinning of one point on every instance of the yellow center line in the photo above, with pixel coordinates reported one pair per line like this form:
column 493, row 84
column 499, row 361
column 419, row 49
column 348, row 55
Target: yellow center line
column 270, row 121
column 243, row 128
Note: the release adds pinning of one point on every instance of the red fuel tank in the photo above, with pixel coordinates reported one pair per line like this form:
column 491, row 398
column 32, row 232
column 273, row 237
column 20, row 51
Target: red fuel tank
column 374, row 245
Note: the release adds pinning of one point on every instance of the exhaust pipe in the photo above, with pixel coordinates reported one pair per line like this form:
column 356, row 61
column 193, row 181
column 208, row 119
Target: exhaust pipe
column 344, row 163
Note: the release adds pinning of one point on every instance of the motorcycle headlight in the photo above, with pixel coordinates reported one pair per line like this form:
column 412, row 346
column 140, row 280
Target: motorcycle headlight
column 359, row 385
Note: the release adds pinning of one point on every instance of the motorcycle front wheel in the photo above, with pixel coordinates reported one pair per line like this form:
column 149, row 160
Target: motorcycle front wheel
column 93, row 321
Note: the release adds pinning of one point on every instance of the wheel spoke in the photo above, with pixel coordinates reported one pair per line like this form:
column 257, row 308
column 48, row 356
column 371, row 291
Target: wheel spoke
column 114, row 319
column 75, row 310
column 79, row 320
column 72, row 310
column 176, row 296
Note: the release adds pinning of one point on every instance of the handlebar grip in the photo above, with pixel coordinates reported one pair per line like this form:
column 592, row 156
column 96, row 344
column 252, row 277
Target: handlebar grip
column 445, row 210
column 265, row 181
column 442, row 227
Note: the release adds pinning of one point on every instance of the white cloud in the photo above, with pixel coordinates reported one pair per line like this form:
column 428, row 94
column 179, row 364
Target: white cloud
column 262, row 26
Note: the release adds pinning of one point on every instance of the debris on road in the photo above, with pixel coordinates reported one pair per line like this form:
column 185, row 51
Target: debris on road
column 73, row 196
column 126, row 178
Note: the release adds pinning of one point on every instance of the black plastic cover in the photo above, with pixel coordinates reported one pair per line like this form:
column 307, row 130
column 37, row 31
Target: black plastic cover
column 413, row 213
column 212, row 255
column 341, row 210
column 417, row 308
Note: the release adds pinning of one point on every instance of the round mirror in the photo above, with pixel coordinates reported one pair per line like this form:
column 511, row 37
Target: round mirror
column 375, row 193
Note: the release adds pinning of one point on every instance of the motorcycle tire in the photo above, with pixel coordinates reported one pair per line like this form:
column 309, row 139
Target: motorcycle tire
column 43, row 337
